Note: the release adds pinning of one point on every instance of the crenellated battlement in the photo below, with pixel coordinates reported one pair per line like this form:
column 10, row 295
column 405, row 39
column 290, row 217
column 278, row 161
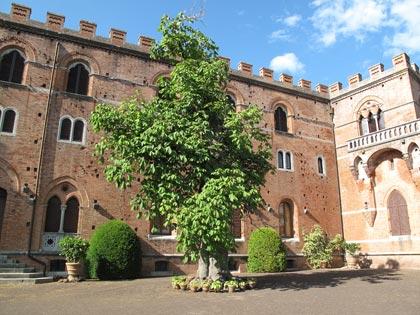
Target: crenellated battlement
column 399, row 62
column 87, row 30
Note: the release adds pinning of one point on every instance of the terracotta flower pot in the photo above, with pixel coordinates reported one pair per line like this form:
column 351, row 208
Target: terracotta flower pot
column 206, row 289
column 352, row 260
column 74, row 271
column 231, row 289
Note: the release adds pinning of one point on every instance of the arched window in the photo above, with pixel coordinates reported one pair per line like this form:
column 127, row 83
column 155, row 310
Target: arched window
column 78, row 79
column 3, row 198
column 398, row 214
column 371, row 122
column 280, row 119
column 78, row 129
column 236, row 225
column 284, row 160
column 53, row 217
column 231, row 100
column 11, row 67
column 7, row 121
column 65, row 129
column 71, row 216
column 321, row 165
column 286, row 219
column 71, row 130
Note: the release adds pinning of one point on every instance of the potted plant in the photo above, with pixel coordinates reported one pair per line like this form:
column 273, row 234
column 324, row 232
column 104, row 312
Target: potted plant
column 176, row 281
column 352, row 258
column 251, row 283
column 74, row 249
column 216, row 285
column 232, row 285
column 183, row 285
column 242, row 284
column 195, row 285
column 206, row 285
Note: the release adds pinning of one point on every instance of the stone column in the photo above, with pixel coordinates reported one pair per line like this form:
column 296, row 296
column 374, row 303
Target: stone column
column 63, row 212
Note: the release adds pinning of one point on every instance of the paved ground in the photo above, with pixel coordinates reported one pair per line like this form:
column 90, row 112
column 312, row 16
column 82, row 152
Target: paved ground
column 307, row 292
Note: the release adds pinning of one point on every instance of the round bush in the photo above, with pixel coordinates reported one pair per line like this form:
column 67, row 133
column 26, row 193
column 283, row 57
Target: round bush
column 266, row 252
column 114, row 252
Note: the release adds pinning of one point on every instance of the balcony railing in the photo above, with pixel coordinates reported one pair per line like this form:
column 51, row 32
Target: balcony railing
column 50, row 241
column 384, row 135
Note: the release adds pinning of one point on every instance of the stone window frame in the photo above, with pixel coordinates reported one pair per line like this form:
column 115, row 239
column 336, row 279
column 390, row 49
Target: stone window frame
column 156, row 236
column 284, row 168
column 324, row 165
column 2, row 112
column 20, row 51
column 286, row 112
column 292, row 217
column 73, row 121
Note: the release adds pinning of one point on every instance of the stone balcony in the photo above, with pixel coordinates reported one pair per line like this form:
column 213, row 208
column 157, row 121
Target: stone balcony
column 385, row 135
column 50, row 241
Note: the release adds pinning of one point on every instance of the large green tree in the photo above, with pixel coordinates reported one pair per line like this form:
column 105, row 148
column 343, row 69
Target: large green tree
column 199, row 160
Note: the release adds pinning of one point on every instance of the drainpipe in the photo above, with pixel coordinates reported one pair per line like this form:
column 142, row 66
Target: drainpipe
column 40, row 159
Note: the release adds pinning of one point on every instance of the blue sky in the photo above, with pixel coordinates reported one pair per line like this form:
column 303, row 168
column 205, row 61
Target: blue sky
column 320, row 40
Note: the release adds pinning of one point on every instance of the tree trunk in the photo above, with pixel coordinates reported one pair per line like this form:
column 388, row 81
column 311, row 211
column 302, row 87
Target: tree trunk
column 210, row 268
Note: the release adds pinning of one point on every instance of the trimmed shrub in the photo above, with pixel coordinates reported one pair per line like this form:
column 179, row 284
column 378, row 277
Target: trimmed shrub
column 266, row 252
column 114, row 252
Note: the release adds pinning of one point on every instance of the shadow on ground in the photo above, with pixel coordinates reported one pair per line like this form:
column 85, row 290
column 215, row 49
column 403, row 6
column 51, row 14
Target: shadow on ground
column 323, row 279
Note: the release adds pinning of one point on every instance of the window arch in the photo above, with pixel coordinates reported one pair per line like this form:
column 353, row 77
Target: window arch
column 71, row 216
column 71, row 130
column 284, row 160
column 231, row 100
column 8, row 121
column 78, row 79
column 3, row 199
column 53, row 216
column 62, row 218
column 398, row 214
column 286, row 219
column 320, row 163
column 371, row 120
column 12, row 64
column 280, row 119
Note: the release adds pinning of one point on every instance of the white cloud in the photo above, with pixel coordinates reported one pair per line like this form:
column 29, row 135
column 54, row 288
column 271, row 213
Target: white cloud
column 279, row 35
column 292, row 20
column 348, row 18
column 288, row 62
column 405, row 15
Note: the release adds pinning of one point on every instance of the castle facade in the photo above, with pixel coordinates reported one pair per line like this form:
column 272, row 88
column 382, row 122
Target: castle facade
column 346, row 159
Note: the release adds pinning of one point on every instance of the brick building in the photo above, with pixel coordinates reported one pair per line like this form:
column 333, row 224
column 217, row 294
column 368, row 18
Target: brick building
column 51, row 79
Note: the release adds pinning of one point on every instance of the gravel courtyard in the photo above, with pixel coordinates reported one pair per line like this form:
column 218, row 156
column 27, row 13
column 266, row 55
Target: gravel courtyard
column 305, row 292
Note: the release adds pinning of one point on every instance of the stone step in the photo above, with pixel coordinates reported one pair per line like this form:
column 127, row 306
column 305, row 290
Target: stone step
column 17, row 270
column 9, row 261
column 12, row 265
column 21, row 275
column 26, row 280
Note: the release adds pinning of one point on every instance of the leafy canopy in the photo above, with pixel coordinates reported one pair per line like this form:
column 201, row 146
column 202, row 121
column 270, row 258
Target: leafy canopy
column 199, row 160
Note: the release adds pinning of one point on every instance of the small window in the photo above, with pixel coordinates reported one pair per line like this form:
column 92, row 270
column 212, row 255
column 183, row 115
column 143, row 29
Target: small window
column 11, row 67
column 280, row 119
column 78, row 79
column 78, row 129
column 65, row 129
column 161, row 266
column 72, row 130
column 57, row 265
column 321, row 165
column 159, row 228
column 8, row 121
column 284, row 160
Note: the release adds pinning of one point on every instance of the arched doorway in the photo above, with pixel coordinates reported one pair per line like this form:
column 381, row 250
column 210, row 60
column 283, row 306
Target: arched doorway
column 3, row 198
column 398, row 214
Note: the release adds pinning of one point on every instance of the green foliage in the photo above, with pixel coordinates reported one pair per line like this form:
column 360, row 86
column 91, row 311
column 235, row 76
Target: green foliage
column 198, row 159
column 216, row 285
column 318, row 249
column 266, row 252
column 114, row 252
column 73, row 248
column 351, row 248
column 231, row 283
